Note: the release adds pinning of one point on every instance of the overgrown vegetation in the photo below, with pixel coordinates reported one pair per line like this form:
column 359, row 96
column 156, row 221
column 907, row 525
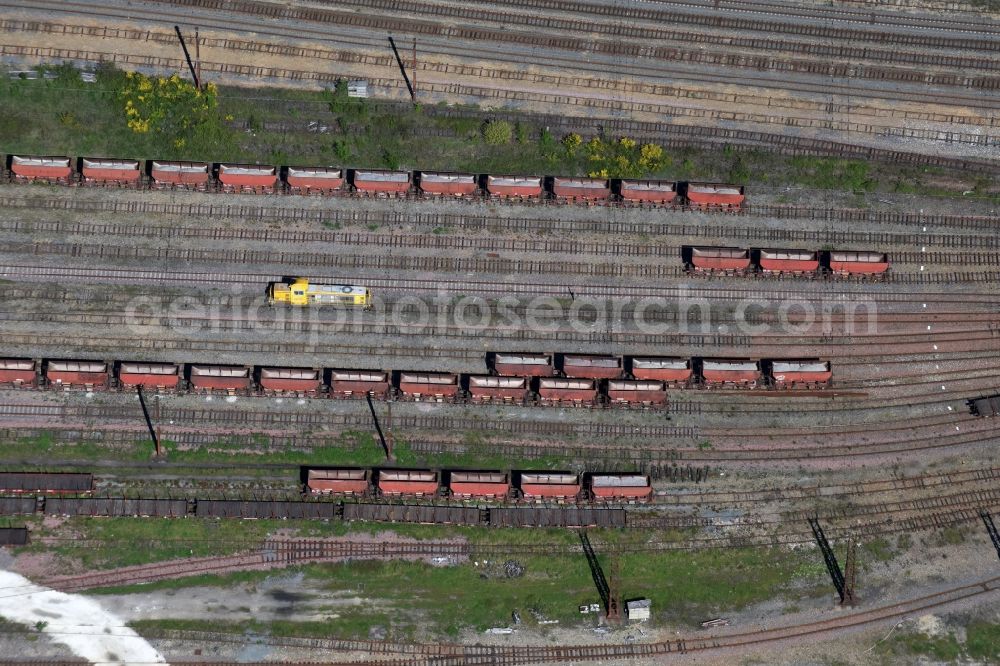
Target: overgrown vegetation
column 417, row 600
column 67, row 116
column 981, row 643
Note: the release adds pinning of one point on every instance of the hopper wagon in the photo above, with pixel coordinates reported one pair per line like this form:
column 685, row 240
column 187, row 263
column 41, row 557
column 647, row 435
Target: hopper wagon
column 18, row 372
column 381, row 183
column 576, row 392
column 549, row 485
column 158, row 376
column 414, row 483
column 730, row 372
column 293, row 381
column 438, row 386
column 479, row 485
column 647, row 191
column 591, row 366
column 717, row 259
column 858, row 263
column 59, row 483
column 314, row 180
column 88, row 375
column 490, row 388
column 359, row 383
column 230, row 379
column 637, row 392
column 714, row 195
column 249, row 178
column 180, row 175
column 41, row 169
column 673, row 371
column 447, row 184
column 341, row 481
column 585, row 189
column 515, row 187
column 788, row 261
column 100, row 171
column 521, row 365
column 632, row 487
column 800, row 373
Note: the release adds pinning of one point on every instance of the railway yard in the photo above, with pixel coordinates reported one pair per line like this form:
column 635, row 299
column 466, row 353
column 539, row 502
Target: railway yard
column 710, row 332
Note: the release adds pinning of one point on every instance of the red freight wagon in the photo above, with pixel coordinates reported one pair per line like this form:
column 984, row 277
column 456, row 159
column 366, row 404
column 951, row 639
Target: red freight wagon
column 479, row 484
column 859, row 262
column 17, row 371
column 648, row 191
column 590, row 189
column 185, row 175
column 673, row 370
column 314, row 179
column 382, row 182
column 522, row 365
column 550, row 485
column 436, row 385
column 643, row 392
column 359, row 383
column 720, row 259
column 101, row 171
column 85, row 374
column 577, row 391
column 620, row 486
column 715, row 194
column 486, row 388
column 789, row 261
column 454, row 184
column 247, row 178
column 802, row 372
column 741, row 372
column 514, row 186
column 149, row 375
column 591, row 366
column 407, row 482
column 338, row 481
column 290, row 380
column 48, row 169
column 228, row 378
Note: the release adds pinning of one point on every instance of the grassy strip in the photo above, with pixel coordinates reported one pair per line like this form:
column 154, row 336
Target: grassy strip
column 981, row 643
column 685, row 588
column 349, row 448
column 67, row 116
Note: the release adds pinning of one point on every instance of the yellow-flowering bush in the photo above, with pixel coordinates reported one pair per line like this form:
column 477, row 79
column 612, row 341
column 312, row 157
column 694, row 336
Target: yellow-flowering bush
column 623, row 158
column 171, row 106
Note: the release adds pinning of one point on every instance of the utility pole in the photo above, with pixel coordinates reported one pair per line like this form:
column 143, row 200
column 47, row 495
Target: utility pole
column 414, row 95
column 850, row 572
column 187, row 56
column 149, row 422
column 390, row 440
column 402, row 69
column 197, row 55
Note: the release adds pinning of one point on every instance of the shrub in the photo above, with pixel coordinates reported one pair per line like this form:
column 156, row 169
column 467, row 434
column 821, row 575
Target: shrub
column 497, row 132
column 571, row 142
column 169, row 106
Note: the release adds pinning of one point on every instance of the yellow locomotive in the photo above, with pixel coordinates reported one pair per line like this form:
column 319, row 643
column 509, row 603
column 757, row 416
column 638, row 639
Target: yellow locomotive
column 300, row 292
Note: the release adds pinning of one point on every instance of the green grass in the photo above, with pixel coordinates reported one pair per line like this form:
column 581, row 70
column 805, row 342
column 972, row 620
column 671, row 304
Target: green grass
column 685, row 587
column 66, row 116
column 982, row 641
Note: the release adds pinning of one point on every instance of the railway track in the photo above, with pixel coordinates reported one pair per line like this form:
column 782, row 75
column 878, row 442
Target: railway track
column 363, row 261
column 491, row 223
column 494, row 289
column 963, row 255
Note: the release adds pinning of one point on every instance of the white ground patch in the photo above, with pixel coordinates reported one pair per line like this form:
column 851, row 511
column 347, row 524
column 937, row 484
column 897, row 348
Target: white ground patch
column 77, row 622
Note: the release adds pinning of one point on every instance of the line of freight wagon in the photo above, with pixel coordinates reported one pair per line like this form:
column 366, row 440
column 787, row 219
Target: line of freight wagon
column 257, row 179
column 556, row 379
column 458, row 484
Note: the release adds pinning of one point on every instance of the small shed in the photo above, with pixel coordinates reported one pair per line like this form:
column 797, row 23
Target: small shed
column 638, row 610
